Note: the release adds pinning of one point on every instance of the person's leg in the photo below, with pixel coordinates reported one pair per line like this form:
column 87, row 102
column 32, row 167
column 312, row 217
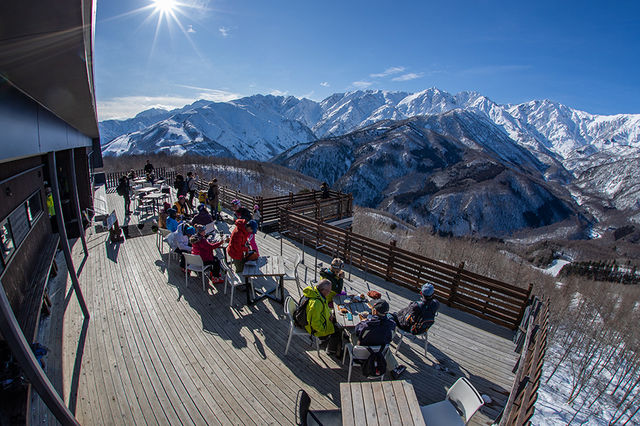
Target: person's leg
column 238, row 265
column 182, row 261
column 127, row 204
column 335, row 340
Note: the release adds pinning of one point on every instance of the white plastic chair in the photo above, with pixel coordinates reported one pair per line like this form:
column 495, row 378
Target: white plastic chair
column 165, row 233
column 424, row 336
column 231, row 278
column 193, row 262
column 361, row 353
column 290, row 307
column 462, row 401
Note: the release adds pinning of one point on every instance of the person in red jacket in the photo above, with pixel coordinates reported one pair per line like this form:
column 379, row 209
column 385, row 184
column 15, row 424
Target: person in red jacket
column 202, row 247
column 237, row 248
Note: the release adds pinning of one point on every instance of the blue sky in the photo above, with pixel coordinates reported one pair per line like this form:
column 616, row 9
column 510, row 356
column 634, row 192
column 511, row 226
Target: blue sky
column 584, row 54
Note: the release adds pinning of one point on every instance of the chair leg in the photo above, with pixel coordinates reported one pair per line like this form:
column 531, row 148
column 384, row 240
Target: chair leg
column 317, row 345
column 231, row 300
column 350, row 367
column 289, row 339
column 399, row 342
column 186, row 277
column 426, row 343
column 203, row 287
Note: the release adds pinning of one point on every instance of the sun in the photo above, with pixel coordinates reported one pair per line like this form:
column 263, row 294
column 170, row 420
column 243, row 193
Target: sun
column 165, row 6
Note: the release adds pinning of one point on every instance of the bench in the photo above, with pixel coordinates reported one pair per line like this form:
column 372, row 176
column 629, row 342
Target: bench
column 29, row 315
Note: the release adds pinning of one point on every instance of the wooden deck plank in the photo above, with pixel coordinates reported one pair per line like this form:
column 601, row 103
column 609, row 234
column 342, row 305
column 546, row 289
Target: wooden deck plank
column 187, row 357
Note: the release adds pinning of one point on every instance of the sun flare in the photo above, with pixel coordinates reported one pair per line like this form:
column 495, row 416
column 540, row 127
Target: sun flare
column 165, row 6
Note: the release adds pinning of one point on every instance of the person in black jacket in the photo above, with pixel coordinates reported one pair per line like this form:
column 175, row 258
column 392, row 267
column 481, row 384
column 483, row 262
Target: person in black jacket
column 241, row 212
column 124, row 189
column 148, row 168
column 419, row 316
column 378, row 330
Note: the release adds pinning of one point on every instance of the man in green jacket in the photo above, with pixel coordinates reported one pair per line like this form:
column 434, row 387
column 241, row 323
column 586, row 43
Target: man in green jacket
column 320, row 319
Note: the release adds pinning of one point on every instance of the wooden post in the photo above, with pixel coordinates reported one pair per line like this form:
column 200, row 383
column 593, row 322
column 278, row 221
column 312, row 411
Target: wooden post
column 290, row 197
column 454, row 284
column 75, row 201
column 392, row 245
column 64, row 241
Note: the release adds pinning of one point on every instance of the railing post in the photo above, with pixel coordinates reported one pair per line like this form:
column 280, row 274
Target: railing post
column 454, row 284
column 392, row 245
column 290, row 197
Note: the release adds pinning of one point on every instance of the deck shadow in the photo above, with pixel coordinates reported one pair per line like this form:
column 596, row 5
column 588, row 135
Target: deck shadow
column 77, row 367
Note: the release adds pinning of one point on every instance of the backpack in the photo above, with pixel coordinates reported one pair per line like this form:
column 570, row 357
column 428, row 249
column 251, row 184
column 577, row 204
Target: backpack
column 300, row 314
column 375, row 365
column 121, row 188
column 417, row 325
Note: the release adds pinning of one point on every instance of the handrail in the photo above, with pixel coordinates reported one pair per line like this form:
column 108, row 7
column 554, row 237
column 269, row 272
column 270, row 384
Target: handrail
column 496, row 301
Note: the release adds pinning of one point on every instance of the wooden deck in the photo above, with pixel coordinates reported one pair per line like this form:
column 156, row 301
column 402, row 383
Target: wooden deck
column 158, row 352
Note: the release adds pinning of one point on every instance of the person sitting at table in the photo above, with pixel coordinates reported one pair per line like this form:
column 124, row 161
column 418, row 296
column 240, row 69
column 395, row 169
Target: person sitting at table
column 237, row 248
column 181, row 206
column 419, row 316
column 164, row 214
column 241, row 212
column 151, row 178
column 335, row 274
column 321, row 321
column 172, row 219
column 201, row 246
column 203, row 217
column 181, row 240
column 253, row 253
column 377, row 330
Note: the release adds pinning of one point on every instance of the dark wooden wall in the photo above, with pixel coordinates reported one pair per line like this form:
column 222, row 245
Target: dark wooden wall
column 18, row 273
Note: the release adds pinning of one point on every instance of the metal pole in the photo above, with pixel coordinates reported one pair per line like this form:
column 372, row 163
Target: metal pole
column 21, row 350
column 76, row 202
column 53, row 176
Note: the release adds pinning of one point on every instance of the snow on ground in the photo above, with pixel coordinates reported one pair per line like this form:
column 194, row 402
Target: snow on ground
column 555, row 267
column 551, row 407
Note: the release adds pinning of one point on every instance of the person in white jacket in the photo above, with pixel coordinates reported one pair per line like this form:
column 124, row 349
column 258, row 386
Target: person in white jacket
column 180, row 240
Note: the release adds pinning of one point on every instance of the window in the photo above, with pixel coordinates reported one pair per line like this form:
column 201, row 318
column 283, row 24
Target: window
column 34, row 207
column 6, row 241
column 15, row 228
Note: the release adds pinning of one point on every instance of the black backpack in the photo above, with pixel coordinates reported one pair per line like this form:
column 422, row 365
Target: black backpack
column 300, row 314
column 375, row 365
column 121, row 188
column 416, row 324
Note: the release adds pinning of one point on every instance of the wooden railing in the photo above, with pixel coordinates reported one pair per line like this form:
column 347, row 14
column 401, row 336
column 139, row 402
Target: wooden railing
column 311, row 203
column 487, row 298
column 532, row 343
column 112, row 178
column 324, row 210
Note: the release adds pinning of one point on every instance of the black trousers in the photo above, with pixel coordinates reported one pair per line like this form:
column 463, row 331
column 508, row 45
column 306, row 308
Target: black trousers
column 334, row 341
column 191, row 195
column 127, row 204
column 215, row 266
column 182, row 261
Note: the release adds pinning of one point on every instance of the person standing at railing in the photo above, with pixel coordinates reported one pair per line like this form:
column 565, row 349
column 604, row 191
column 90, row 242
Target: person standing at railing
column 124, row 189
column 148, row 168
column 325, row 191
column 213, row 195
column 191, row 187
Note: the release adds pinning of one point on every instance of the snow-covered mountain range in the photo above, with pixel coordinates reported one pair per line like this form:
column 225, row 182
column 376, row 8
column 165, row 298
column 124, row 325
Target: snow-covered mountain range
column 274, row 123
column 546, row 149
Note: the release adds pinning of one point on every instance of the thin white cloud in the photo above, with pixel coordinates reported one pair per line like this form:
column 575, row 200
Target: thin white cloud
column 224, row 31
column 309, row 95
column 361, row 84
column 128, row 106
column 388, row 72
column 276, row 92
column 324, row 84
column 190, row 29
column 408, row 76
